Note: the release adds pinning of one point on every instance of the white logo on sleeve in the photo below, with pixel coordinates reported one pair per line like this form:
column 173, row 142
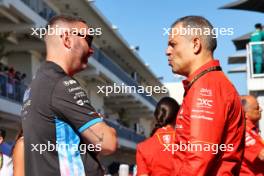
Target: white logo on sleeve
column 206, row 92
column 166, row 139
column 74, row 89
column 70, row 82
column 80, row 102
column 79, row 95
column 204, row 102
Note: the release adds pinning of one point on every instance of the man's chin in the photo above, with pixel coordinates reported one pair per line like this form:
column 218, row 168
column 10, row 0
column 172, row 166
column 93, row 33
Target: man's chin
column 174, row 71
column 171, row 68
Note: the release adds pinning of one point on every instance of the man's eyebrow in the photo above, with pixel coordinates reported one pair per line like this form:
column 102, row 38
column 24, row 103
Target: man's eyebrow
column 171, row 41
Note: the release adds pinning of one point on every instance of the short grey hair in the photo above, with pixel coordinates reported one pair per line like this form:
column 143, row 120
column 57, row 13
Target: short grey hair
column 201, row 23
column 64, row 18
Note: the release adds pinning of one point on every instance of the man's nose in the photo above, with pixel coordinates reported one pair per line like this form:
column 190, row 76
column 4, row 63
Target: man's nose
column 168, row 52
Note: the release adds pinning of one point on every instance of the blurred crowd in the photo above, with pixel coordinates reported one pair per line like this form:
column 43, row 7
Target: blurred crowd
column 11, row 82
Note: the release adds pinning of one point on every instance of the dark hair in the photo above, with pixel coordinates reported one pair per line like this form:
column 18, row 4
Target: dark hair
column 64, row 18
column 2, row 133
column 165, row 113
column 201, row 23
column 258, row 26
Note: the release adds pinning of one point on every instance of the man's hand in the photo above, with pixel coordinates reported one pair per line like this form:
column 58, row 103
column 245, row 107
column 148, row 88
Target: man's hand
column 261, row 155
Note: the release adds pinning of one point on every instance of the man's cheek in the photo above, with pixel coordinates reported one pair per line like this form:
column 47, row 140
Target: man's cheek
column 177, row 54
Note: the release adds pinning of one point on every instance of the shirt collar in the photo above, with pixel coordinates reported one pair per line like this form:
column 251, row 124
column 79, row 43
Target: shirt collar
column 167, row 128
column 251, row 126
column 52, row 65
column 211, row 63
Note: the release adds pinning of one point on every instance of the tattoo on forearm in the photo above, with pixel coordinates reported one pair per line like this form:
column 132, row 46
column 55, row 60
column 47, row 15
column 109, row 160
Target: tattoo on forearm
column 100, row 138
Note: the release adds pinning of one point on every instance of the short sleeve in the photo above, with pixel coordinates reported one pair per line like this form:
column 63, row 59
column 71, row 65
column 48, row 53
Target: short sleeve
column 71, row 104
column 141, row 162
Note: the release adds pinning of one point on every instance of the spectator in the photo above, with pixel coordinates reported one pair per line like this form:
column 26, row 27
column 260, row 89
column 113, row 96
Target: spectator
column 6, row 165
column 17, row 76
column 23, row 76
column 10, row 86
column 11, row 73
column 2, row 80
column 151, row 157
column 257, row 49
column 11, row 83
column 17, row 85
column 253, row 162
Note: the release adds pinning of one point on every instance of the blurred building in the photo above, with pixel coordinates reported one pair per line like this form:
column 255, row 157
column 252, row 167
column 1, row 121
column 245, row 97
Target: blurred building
column 243, row 56
column 113, row 62
column 176, row 90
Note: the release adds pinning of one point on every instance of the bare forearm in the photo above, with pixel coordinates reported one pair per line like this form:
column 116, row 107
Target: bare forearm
column 102, row 135
column 109, row 143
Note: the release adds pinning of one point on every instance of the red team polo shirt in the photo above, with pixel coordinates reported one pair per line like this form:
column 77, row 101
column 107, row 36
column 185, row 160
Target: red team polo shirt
column 251, row 165
column 151, row 157
column 211, row 114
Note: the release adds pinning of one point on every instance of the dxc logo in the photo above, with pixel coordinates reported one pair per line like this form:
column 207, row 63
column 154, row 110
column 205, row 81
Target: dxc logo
column 204, row 102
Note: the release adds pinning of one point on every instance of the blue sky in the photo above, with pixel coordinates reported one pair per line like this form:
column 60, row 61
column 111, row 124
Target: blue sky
column 141, row 23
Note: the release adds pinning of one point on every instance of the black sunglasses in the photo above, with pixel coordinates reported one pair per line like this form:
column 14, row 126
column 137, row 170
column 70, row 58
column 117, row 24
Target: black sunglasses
column 88, row 38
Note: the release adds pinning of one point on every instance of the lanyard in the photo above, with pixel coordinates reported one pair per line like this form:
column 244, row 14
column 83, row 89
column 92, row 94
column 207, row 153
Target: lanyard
column 210, row 69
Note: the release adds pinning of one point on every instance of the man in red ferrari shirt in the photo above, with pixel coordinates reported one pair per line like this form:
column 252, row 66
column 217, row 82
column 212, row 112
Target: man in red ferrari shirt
column 253, row 162
column 211, row 120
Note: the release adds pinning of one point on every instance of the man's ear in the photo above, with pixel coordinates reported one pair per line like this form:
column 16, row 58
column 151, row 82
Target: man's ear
column 197, row 45
column 66, row 39
column 1, row 140
column 246, row 115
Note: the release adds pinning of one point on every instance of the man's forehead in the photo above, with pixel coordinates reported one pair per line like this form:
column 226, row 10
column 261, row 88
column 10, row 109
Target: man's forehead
column 175, row 32
column 173, row 37
column 253, row 102
column 177, row 25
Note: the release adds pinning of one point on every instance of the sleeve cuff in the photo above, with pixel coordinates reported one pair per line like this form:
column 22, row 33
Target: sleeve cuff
column 89, row 124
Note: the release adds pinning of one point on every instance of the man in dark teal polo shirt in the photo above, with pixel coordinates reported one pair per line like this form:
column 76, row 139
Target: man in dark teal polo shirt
column 257, row 49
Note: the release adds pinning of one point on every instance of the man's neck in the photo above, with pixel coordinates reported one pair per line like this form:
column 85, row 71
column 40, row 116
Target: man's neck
column 60, row 63
column 199, row 62
column 252, row 122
